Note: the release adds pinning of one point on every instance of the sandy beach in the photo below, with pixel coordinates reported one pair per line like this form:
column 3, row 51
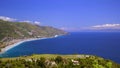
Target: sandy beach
column 18, row 42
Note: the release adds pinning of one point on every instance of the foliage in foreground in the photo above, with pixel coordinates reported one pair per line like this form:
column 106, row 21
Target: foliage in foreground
column 58, row 62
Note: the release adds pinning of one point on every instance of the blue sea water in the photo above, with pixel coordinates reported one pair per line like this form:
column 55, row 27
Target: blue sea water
column 103, row 44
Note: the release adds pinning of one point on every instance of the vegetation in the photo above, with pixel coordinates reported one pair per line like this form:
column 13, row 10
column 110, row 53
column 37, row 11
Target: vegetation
column 23, row 30
column 57, row 61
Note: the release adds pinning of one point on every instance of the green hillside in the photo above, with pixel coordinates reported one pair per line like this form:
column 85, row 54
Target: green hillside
column 22, row 30
column 57, row 61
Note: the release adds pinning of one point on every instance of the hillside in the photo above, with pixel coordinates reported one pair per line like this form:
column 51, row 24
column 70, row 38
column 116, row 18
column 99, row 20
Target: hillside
column 57, row 61
column 23, row 30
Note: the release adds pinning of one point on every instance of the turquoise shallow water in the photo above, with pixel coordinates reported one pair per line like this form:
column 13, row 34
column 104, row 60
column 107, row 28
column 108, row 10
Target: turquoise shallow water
column 104, row 44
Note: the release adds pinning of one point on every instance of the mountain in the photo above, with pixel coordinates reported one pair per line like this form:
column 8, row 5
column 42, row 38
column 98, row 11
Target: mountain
column 22, row 30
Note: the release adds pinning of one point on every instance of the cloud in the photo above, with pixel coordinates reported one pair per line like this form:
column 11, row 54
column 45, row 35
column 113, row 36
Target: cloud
column 37, row 23
column 63, row 28
column 12, row 19
column 106, row 26
column 27, row 21
column 7, row 18
column 103, row 27
column 70, row 29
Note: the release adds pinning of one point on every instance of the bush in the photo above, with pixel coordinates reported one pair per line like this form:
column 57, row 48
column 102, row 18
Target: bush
column 58, row 59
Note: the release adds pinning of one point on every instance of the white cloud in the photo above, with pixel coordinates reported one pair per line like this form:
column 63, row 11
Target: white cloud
column 63, row 28
column 37, row 23
column 70, row 28
column 7, row 18
column 12, row 19
column 27, row 21
column 106, row 26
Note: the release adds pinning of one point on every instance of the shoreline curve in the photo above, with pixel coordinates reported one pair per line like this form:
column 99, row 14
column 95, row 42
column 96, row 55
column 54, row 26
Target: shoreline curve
column 20, row 41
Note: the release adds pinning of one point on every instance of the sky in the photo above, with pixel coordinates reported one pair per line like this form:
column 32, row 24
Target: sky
column 65, row 14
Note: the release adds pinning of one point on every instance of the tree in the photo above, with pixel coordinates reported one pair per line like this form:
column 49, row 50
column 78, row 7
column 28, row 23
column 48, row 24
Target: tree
column 58, row 59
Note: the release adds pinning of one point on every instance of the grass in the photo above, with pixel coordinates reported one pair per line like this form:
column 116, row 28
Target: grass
column 48, row 56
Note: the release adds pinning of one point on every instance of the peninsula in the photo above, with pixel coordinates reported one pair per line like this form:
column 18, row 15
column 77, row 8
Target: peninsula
column 14, row 33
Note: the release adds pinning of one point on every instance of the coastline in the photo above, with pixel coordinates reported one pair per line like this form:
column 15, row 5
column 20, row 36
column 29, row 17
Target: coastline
column 19, row 41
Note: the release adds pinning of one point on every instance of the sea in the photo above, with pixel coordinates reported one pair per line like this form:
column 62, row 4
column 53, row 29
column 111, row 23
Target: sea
column 102, row 44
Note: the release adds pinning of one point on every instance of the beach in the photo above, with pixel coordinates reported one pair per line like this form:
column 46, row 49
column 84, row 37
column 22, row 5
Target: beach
column 20, row 41
column 17, row 42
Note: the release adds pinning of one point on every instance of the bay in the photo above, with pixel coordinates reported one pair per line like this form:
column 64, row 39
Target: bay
column 103, row 44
